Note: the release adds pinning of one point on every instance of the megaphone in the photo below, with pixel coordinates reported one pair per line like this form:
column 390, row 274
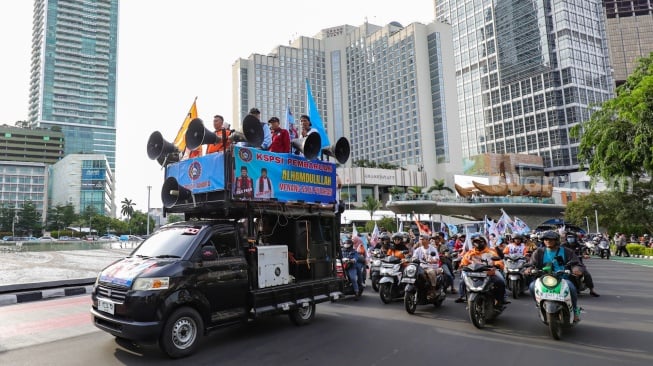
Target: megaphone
column 340, row 150
column 158, row 148
column 309, row 145
column 197, row 135
column 252, row 132
column 172, row 193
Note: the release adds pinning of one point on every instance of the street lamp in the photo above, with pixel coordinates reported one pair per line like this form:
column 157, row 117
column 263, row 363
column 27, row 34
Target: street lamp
column 587, row 222
column 596, row 218
column 149, row 188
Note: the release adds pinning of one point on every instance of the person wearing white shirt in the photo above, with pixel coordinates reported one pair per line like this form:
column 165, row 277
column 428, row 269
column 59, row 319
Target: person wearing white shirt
column 428, row 254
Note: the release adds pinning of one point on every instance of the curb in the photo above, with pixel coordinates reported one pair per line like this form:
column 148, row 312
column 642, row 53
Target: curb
column 27, row 296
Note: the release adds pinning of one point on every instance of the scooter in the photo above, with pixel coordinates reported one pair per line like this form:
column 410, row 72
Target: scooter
column 516, row 281
column 553, row 299
column 603, row 249
column 419, row 290
column 390, row 286
column 375, row 268
column 480, row 293
column 342, row 270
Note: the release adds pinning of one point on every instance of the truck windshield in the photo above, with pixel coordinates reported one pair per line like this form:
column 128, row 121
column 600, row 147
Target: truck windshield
column 171, row 243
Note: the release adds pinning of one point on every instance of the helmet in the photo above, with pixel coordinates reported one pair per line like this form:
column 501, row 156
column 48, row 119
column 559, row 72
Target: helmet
column 347, row 243
column 550, row 234
column 406, row 237
column 533, row 236
column 518, row 236
column 478, row 241
column 384, row 236
column 397, row 236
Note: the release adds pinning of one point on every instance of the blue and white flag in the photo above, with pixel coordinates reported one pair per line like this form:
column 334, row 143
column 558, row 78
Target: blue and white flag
column 519, row 226
column 290, row 124
column 316, row 119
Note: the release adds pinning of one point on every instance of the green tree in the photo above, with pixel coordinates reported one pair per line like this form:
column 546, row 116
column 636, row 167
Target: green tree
column 371, row 204
column 127, row 208
column 415, row 190
column 616, row 141
column 29, row 221
column 7, row 214
column 439, row 185
column 174, row 218
column 138, row 222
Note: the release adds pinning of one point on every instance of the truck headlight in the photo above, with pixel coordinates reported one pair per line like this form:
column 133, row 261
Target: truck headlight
column 151, row 283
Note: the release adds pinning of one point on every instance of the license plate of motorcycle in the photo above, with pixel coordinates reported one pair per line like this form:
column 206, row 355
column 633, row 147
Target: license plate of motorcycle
column 105, row 306
column 477, row 274
column 552, row 296
column 408, row 280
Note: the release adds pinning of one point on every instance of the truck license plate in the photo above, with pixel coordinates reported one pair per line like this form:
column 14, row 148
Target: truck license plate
column 105, row 306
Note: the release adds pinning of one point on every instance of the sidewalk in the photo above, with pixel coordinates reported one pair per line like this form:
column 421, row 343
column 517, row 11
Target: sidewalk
column 28, row 276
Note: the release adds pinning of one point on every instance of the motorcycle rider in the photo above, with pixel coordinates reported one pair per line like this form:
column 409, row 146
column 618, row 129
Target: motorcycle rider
column 580, row 271
column 397, row 248
column 428, row 254
column 349, row 252
column 481, row 253
column 445, row 260
column 384, row 243
column 516, row 246
column 558, row 257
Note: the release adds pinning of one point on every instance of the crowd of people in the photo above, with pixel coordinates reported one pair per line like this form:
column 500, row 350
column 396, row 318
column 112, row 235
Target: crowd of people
column 446, row 255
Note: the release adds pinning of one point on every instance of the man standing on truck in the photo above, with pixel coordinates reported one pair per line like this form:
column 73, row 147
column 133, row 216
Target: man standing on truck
column 222, row 132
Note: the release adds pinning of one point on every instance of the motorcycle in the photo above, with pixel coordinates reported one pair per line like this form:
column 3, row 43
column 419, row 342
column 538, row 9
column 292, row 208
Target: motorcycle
column 390, row 285
column 480, row 293
column 589, row 247
column 516, row 281
column 342, row 265
column 553, row 300
column 419, row 290
column 603, row 249
column 375, row 268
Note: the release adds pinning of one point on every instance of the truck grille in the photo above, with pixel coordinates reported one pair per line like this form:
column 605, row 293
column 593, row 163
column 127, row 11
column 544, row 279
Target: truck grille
column 115, row 293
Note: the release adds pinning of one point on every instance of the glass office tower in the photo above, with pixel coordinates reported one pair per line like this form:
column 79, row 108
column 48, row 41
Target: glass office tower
column 527, row 71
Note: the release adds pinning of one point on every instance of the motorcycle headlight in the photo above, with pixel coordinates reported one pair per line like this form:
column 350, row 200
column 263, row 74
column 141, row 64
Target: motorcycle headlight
column 549, row 281
column 411, row 270
column 151, row 283
column 376, row 262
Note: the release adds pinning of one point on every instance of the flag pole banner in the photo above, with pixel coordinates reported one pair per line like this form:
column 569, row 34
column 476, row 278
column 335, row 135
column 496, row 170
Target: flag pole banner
column 180, row 140
column 316, row 119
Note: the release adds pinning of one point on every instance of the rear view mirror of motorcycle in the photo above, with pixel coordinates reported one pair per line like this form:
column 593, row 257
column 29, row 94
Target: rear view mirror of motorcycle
column 496, row 258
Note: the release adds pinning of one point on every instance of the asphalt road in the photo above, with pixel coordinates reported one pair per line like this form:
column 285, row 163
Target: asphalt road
column 616, row 329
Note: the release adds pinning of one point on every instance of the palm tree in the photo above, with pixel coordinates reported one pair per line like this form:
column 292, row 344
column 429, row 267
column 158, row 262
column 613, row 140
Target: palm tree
column 371, row 204
column 127, row 210
column 394, row 191
column 439, row 185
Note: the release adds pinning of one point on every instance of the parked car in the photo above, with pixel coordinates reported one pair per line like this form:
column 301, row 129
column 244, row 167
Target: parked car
column 108, row 238
column 46, row 238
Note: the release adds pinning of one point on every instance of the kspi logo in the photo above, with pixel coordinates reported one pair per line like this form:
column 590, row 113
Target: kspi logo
column 195, row 170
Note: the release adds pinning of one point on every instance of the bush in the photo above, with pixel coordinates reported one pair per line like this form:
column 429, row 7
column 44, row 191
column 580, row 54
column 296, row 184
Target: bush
column 637, row 249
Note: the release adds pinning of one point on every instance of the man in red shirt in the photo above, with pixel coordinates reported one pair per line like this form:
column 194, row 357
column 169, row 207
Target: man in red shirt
column 280, row 137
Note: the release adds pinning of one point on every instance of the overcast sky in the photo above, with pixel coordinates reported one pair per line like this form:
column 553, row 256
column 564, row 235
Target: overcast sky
column 171, row 51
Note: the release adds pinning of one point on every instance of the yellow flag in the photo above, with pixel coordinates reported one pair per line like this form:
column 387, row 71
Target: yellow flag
column 180, row 140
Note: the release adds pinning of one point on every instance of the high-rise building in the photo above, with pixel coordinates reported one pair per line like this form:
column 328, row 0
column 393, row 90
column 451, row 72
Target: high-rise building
column 73, row 73
column 390, row 90
column 22, row 182
column 630, row 34
column 38, row 145
column 527, row 71
column 84, row 180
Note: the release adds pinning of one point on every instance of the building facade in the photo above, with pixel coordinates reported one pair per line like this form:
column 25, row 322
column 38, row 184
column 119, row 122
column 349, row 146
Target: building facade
column 38, row 145
column 73, row 74
column 24, row 181
column 84, row 180
column 527, row 71
column 390, row 90
column 630, row 34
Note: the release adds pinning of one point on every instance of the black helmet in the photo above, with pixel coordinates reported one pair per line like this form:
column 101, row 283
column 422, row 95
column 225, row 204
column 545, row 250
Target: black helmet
column 478, row 241
column 550, row 234
column 398, row 235
column 518, row 236
column 384, row 236
column 347, row 243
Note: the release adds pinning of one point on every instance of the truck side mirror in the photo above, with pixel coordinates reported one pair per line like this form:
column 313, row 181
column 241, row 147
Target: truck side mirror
column 209, row 253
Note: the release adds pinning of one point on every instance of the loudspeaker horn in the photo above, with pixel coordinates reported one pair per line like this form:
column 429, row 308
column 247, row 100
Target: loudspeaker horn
column 197, row 135
column 340, row 150
column 309, row 145
column 172, row 192
column 158, row 147
column 252, row 132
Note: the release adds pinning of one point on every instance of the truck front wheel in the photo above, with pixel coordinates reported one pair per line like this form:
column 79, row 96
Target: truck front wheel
column 302, row 315
column 181, row 333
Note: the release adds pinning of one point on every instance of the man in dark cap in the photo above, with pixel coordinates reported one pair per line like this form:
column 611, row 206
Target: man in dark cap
column 267, row 136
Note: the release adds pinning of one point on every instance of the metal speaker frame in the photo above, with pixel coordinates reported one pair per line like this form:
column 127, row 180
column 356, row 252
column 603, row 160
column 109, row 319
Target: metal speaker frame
column 172, row 193
column 340, row 150
column 309, row 146
column 197, row 135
